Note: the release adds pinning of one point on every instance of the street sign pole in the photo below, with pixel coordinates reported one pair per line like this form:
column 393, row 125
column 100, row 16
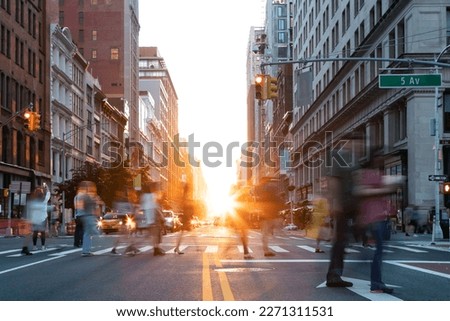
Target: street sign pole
column 437, row 232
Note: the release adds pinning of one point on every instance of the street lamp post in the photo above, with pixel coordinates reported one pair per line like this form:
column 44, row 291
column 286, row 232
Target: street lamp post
column 437, row 233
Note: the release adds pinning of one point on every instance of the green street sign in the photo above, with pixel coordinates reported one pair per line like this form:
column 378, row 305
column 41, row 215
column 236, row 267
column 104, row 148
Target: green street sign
column 409, row 80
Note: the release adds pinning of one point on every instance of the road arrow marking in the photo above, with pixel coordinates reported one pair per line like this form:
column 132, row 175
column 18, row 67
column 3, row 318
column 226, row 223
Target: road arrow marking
column 362, row 288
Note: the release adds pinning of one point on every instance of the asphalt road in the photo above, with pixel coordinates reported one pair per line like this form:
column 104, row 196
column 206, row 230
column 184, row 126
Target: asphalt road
column 213, row 269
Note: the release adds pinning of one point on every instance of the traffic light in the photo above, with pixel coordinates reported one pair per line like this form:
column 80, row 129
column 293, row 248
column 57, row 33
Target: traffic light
column 36, row 121
column 31, row 121
column 446, row 188
column 446, row 192
column 272, row 87
column 260, row 87
column 27, row 115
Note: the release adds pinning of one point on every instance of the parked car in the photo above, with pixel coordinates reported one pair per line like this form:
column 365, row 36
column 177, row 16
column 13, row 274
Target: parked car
column 171, row 221
column 117, row 222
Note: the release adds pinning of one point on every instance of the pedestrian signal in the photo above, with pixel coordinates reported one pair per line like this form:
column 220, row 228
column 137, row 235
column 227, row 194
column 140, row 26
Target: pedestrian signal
column 260, row 87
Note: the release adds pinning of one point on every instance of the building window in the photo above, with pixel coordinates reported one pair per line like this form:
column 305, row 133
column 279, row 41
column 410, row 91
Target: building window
column 114, row 53
column 94, row 54
column 61, row 18
column 94, row 35
column 282, row 37
column 448, row 26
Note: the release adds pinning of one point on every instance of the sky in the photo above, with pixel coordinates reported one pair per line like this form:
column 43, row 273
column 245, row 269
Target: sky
column 204, row 45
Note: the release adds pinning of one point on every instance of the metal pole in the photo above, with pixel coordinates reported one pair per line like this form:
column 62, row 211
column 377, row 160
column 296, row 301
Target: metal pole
column 63, row 219
column 437, row 232
column 436, row 226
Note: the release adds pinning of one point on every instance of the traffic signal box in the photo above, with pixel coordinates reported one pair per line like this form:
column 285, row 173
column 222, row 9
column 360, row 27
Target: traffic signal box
column 32, row 120
column 446, row 192
column 446, row 188
column 260, row 87
column 272, row 87
column 266, row 87
column 36, row 121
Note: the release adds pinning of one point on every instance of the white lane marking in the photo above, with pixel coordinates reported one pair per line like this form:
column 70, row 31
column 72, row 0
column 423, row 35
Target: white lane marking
column 362, row 288
column 405, row 265
column 29, row 264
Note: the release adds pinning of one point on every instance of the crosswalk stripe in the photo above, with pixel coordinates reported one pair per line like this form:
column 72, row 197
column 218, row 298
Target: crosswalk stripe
column 307, row 248
column 241, row 249
column 212, row 249
column 66, row 252
column 347, row 249
column 10, row 251
column 215, row 249
column 34, row 252
column 373, row 248
column 277, row 249
column 407, row 249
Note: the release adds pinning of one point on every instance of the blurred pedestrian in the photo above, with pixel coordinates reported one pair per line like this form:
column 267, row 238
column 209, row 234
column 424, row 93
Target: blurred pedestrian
column 374, row 213
column 88, row 207
column 185, row 217
column 122, row 204
column 150, row 204
column 36, row 212
column 270, row 201
column 242, row 201
column 78, row 233
column 39, row 216
column 343, row 208
column 322, row 219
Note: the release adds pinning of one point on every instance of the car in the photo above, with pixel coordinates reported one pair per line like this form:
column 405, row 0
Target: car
column 195, row 222
column 171, row 221
column 117, row 222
